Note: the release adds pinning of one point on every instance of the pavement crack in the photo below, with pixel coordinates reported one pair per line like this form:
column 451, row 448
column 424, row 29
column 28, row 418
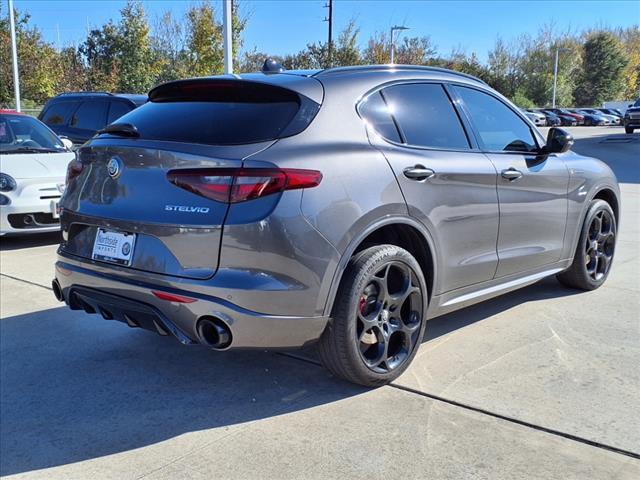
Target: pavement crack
column 25, row 281
column 489, row 413
column 517, row 421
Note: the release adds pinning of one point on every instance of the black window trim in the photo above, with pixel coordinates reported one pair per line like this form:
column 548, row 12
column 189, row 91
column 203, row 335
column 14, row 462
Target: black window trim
column 537, row 137
column 473, row 145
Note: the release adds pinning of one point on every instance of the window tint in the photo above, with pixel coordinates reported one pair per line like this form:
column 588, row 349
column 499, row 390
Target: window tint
column 426, row 116
column 116, row 110
column 58, row 113
column 91, row 115
column 374, row 110
column 498, row 126
column 222, row 113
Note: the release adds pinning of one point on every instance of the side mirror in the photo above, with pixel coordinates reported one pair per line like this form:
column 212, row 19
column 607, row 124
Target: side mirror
column 558, row 141
column 68, row 144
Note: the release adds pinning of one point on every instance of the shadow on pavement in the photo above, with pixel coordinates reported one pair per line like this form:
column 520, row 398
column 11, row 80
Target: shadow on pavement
column 544, row 289
column 17, row 242
column 77, row 387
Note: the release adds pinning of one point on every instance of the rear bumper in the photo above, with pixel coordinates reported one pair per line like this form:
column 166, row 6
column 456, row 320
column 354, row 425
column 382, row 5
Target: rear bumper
column 133, row 303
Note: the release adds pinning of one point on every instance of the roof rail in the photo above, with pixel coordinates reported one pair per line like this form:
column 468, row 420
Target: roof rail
column 84, row 93
column 383, row 68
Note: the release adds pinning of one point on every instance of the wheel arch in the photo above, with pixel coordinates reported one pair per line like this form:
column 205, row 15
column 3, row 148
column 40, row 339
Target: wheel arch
column 404, row 232
column 609, row 196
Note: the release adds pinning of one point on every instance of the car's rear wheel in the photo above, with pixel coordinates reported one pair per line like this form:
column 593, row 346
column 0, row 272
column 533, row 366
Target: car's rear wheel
column 378, row 319
column 596, row 246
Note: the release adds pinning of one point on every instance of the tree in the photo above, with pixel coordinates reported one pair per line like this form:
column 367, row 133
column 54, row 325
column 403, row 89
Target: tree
column 36, row 59
column 204, row 41
column 630, row 39
column 167, row 44
column 603, row 66
column 72, row 76
column 415, row 51
column 346, row 51
column 137, row 72
column 101, row 54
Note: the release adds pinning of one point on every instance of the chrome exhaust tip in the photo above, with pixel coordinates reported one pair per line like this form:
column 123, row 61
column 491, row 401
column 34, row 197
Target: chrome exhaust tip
column 57, row 290
column 214, row 333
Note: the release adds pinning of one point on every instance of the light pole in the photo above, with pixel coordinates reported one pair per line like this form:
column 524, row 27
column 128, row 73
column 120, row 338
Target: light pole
column 555, row 74
column 227, row 35
column 393, row 29
column 14, row 54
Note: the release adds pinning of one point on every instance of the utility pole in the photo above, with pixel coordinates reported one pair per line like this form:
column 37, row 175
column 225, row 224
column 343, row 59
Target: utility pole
column 329, row 5
column 555, row 75
column 227, row 27
column 14, row 55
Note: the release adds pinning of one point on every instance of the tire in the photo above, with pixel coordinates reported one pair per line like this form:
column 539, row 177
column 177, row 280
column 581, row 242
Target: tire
column 378, row 319
column 628, row 129
column 596, row 247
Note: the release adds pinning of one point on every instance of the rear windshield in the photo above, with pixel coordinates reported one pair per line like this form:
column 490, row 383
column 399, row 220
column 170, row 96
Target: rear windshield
column 221, row 113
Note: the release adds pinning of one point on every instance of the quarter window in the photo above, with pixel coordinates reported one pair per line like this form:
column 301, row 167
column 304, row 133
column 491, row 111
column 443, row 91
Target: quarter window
column 374, row 110
column 425, row 115
column 499, row 127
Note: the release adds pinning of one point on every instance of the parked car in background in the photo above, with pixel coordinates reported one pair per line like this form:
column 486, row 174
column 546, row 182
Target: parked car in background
column 80, row 115
column 538, row 119
column 610, row 119
column 565, row 119
column 228, row 211
column 590, row 119
column 33, row 167
column 632, row 117
column 551, row 118
column 611, row 111
column 563, row 111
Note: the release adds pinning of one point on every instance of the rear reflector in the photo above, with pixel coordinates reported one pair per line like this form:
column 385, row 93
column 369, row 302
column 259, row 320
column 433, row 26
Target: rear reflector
column 170, row 297
column 233, row 185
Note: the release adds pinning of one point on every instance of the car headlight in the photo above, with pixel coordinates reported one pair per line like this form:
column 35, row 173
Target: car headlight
column 7, row 183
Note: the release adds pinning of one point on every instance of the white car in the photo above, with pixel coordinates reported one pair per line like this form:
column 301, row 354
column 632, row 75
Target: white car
column 33, row 166
column 538, row 119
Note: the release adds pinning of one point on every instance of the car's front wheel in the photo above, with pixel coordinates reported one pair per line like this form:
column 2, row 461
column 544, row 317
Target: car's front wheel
column 596, row 246
column 378, row 319
column 628, row 129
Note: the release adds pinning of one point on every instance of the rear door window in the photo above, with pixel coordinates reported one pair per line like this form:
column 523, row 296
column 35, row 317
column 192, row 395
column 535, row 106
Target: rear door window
column 499, row 127
column 58, row 113
column 91, row 115
column 117, row 110
column 221, row 113
column 425, row 116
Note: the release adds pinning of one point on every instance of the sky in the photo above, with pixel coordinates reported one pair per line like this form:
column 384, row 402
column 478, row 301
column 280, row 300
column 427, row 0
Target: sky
column 286, row 26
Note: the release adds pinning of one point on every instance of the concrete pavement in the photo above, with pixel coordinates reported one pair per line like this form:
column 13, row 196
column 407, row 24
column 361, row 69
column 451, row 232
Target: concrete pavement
column 540, row 383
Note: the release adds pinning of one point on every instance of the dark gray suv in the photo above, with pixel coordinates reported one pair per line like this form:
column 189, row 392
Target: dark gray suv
column 342, row 207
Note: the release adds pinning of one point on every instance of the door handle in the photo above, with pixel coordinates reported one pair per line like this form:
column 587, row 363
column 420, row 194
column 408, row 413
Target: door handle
column 418, row 172
column 511, row 174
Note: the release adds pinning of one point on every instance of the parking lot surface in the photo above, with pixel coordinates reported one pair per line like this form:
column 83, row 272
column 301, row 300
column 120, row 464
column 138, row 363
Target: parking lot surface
column 539, row 383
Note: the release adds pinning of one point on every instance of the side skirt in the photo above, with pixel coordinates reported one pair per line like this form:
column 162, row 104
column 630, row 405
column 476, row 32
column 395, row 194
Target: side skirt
column 464, row 297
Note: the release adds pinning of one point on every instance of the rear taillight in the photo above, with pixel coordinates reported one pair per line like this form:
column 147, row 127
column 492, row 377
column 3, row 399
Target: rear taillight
column 233, row 185
column 74, row 169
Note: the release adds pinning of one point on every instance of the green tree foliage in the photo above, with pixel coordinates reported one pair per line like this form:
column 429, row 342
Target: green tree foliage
column 128, row 54
column 37, row 61
column 604, row 62
column 101, row 54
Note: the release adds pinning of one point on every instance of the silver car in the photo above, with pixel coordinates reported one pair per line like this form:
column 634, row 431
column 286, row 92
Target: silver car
column 341, row 207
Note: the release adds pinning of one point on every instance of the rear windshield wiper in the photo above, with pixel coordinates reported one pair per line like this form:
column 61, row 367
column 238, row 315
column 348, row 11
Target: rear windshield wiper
column 121, row 129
